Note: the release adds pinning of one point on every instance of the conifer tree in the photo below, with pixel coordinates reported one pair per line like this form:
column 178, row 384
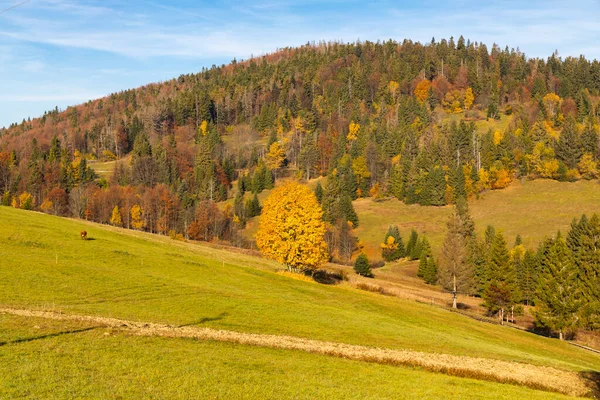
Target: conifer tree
column 415, row 253
column 361, row 265
column 412, row 243
column 347, row 210
column 557, row 294
column 584, row 241
column 502, row 292
column 434, row 188
column 568, row 147
column 319, row 192
column 527, row 276
column 454, row 273
column 427, row 267
column 392, row 247
column 238, row 207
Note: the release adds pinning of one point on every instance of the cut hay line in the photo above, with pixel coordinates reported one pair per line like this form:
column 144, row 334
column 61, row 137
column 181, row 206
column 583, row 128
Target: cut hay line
column 537, row 377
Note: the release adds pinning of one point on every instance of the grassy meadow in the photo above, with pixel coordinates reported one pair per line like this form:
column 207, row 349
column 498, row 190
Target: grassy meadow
column 142, row 277
column 44, row 359
column 533, row 209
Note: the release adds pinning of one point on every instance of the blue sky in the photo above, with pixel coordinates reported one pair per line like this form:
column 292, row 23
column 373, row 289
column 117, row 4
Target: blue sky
column 64, row 52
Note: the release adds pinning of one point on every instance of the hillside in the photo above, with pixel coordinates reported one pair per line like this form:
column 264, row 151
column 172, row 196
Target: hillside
column 141, row 277
column 428, row 124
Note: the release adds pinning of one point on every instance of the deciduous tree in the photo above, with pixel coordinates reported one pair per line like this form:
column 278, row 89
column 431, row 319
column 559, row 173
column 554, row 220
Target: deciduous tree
column 291, row 230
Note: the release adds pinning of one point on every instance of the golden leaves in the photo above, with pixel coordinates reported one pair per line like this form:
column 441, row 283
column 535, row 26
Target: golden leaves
column 291, row 230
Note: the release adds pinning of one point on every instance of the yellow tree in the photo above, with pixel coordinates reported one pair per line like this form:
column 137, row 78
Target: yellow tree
column 275, row 157
column 115, row 218
column 136, row 217
column 551, row 102
column 353, row 129
column 204, row 128
column 291, row 229
column 422, row 90
column 469, row 98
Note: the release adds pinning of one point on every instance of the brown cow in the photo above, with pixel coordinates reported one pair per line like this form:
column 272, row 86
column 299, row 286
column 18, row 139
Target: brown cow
column 84, row 235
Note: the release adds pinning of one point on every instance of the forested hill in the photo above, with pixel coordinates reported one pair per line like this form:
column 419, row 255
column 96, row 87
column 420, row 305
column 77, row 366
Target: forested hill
column 427, row 123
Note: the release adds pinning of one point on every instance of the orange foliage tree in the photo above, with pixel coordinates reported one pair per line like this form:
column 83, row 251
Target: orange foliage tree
column 291, row 229
column 422, row 90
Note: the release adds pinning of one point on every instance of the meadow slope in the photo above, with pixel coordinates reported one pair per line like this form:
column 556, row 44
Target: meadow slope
column 142, row 277
column 533, row 209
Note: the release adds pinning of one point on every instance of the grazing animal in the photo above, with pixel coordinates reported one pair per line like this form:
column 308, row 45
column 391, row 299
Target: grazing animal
column 83, row 235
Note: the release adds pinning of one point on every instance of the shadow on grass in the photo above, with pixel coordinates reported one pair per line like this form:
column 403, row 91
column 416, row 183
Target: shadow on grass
column 47, row 336
column 206, row 319
column 325, row 277
column 593, row 380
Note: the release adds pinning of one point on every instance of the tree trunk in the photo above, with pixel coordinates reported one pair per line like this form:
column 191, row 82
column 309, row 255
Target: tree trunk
column 454, row 292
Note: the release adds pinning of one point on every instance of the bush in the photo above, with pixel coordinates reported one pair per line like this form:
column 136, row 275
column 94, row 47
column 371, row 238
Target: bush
column 361, row 266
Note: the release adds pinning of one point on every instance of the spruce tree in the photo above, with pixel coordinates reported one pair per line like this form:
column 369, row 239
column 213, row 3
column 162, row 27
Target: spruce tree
column 416, row 250
column 527, row 276
column 568, row 147
column 238, row 207
column 392, row 247
column 502, row 292
column 455, row 273
column 347, row 210
column 427, row 267
column 584, row 242
column 412, row 242
column 490, row 235
column 434, row 188
column 557, row 294
column 319, row 192
column 589, row 140
column 361, row 265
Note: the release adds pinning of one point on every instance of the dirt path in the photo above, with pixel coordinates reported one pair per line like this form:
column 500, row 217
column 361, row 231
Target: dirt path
column 546, row 378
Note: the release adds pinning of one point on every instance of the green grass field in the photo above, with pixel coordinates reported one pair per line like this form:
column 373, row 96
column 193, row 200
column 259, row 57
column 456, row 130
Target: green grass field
column 100, row 364
column 138, row 276
column 533, row 209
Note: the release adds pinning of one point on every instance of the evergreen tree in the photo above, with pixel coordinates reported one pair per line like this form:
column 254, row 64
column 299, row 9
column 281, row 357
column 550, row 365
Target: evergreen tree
column 392, row 247
column 434, row 188
column 412, row 243
column 557, row 294
column 319, row 192
column 455, row 274
column 415, row 253
column 518, row 240
column 589, row 140
column 568, row 147
column 238, row 207
column 478, row 260
column 527, row 276
column 490, row 235
column 502, row 292
column 361, row 265
column 584, row 242
column 427, row 266
column 468, row 226
column 347, row 210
